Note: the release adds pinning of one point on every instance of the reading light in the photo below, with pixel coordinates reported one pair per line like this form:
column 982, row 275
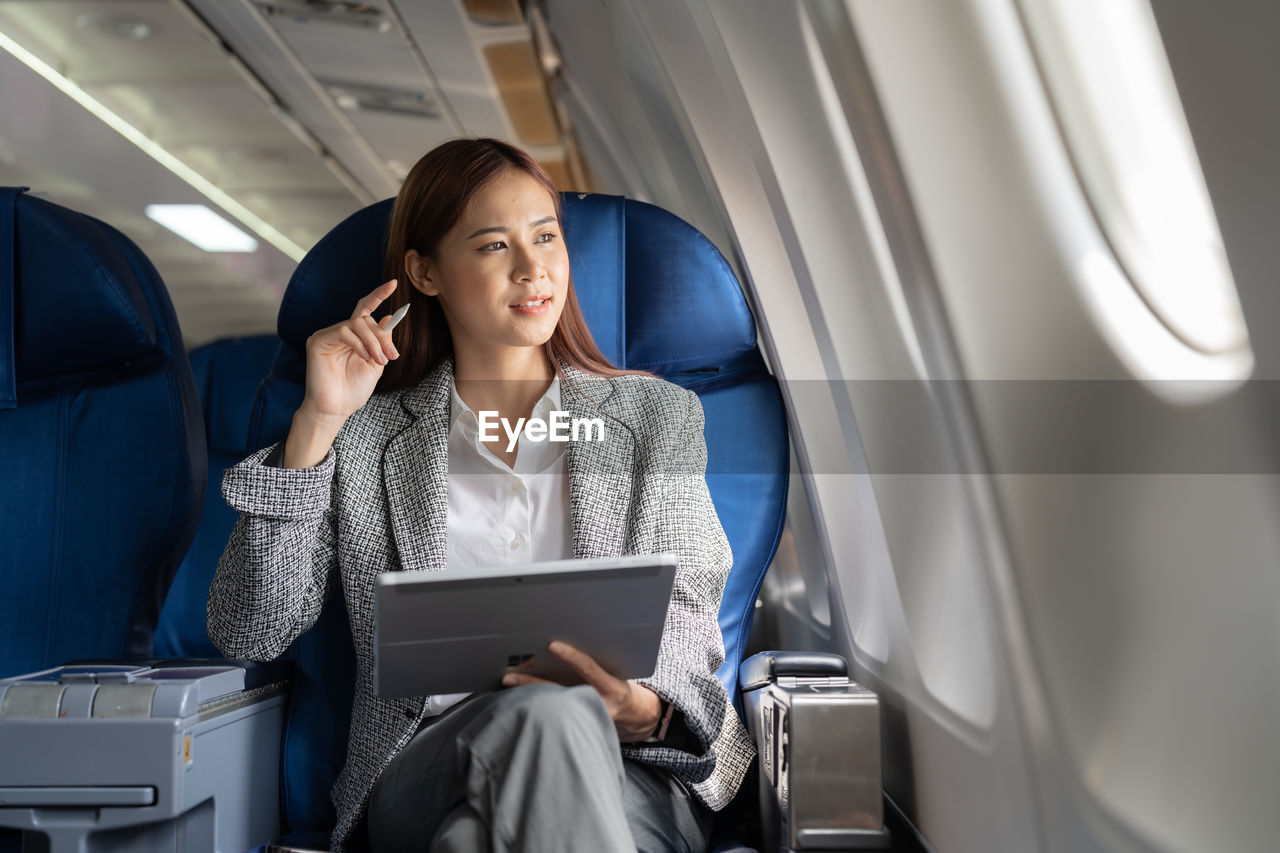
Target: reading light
column 201, row 226
column 119, row 26
column 202, row 185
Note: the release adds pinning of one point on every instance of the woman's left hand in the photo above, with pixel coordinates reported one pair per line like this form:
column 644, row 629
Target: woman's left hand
column 636, row 710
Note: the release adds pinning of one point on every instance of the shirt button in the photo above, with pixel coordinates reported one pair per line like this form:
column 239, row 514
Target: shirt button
column 515, row 487
column 517, row 542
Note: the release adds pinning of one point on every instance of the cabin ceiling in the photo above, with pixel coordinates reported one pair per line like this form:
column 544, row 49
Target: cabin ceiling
column 300, row 110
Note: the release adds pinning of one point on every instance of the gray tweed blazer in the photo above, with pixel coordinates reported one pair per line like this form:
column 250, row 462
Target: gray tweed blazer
column 377, row 503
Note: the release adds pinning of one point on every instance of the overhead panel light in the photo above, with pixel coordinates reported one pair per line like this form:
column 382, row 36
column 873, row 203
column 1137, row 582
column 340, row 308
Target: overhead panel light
column 361, row 97
column 119, row 26
column 201, row 184
column 201, row 226
column 342, row 12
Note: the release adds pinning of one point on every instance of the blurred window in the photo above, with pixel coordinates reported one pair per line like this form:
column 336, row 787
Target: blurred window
column 1113, row 91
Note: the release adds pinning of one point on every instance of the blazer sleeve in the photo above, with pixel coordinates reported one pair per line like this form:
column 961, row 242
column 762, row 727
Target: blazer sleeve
column 692, row 646
column 280, row 563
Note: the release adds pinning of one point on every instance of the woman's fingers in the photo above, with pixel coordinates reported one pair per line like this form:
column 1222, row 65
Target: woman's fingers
column 384, row 336
column 373, row 299
column 365, row 327
column 348, row 336
column 592, row 673
column 515, row 679
column 369, row 338
column 581, row 663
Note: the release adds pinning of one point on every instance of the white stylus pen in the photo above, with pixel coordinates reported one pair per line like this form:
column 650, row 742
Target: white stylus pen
column 398, row 316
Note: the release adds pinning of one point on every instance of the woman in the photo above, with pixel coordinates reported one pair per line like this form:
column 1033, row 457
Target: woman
column 371, row 482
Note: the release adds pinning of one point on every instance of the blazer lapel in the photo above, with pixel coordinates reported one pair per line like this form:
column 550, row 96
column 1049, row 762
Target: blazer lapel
column 415, row 474
column 601, row 473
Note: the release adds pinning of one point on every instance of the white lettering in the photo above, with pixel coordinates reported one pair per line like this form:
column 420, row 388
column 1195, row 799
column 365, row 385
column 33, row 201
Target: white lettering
column 512, row 434
column 560, row 428
column 488, row 423
column 589, row 425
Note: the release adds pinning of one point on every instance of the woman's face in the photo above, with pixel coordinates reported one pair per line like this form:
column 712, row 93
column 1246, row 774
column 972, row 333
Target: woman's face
column 505, row 252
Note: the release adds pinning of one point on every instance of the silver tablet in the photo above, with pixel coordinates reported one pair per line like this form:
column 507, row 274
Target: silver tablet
column 460, row 630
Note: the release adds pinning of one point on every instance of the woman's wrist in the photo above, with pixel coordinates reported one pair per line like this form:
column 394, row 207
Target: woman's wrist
column 647, row 713
column 309, row 439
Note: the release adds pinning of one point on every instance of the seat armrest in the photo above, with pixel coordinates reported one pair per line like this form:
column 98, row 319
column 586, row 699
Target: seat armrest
column 256, row 673
column 764, row 667
column 817, row 737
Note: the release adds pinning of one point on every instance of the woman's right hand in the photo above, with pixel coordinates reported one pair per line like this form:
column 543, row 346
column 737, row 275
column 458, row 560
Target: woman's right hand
column 345, row 360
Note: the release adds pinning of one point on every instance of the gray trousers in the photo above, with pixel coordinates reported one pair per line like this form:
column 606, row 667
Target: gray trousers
column 530, row 768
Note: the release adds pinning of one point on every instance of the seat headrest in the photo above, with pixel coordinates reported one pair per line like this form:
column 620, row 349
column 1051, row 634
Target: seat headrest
column 623, row 254
column 702, row 320
column 228, row 372
column 74, row 285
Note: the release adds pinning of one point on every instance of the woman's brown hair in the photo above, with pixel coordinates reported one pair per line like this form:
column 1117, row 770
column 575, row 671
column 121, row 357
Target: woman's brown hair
column 433, row 198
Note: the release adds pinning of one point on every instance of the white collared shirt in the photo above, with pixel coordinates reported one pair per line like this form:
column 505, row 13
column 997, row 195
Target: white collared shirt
column 499, row 515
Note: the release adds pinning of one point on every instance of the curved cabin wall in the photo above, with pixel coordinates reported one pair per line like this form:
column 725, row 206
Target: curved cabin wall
column 1061, row 579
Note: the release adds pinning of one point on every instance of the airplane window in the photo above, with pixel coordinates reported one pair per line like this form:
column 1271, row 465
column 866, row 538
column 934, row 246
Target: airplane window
column 1114, row 94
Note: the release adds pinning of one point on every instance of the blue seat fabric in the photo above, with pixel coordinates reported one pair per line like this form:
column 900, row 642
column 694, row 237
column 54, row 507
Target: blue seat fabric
column 657, row 296
column 227, row 374
column 102, row 453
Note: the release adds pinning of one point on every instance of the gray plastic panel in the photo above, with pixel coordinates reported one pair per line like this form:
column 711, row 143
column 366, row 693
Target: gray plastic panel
column 153, row 759
column 77, row 701
column 78, row 796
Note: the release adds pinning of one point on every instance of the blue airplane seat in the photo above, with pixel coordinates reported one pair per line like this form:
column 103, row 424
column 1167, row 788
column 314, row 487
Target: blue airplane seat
column 102, row 453
column 227, row 374
column 657, row 296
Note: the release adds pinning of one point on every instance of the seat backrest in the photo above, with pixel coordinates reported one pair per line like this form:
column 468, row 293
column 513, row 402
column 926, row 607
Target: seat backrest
column 657, row 296
column 102, row 454
column 227, row 374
